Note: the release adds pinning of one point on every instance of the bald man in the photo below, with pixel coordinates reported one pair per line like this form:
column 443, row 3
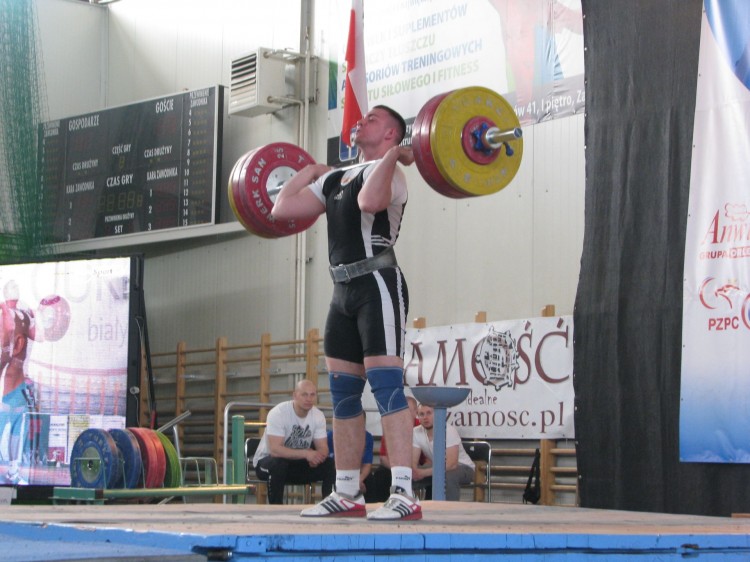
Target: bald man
column 294, row 448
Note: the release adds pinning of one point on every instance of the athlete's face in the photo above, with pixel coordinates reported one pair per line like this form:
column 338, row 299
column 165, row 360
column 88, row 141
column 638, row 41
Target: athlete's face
column 374, row 127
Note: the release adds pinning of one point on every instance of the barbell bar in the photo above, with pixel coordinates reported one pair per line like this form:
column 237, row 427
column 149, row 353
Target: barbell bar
column 466, row 143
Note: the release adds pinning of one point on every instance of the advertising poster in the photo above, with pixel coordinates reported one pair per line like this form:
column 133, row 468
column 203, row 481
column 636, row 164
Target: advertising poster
column 64, row 364
column 530, row 52
column 715, row 383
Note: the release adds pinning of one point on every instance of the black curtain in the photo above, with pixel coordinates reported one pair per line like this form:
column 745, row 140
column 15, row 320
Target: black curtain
column 641, row 64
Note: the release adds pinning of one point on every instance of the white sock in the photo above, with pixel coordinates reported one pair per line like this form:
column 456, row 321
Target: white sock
column 401, row 478
column 347, row 482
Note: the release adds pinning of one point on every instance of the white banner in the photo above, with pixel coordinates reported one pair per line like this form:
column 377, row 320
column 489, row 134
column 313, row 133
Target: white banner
column 529, row 51
column 715, row 382
column 519, row 372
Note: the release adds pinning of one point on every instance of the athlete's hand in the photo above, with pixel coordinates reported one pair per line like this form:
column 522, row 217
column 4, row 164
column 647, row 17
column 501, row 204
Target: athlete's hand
column 405, row 155
column 317, row 170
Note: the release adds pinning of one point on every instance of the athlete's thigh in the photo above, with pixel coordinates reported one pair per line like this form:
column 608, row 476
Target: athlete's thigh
column 381, row 314
column 341, row 335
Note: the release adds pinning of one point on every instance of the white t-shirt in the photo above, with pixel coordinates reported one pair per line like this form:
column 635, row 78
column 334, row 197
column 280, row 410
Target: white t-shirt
column 298, row 433
column 452, row 438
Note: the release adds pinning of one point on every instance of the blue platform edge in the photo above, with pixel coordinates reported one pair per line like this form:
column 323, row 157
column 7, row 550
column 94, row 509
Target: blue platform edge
column 34, row 541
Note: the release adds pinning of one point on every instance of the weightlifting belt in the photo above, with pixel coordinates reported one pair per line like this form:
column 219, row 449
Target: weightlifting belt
column 346, row 272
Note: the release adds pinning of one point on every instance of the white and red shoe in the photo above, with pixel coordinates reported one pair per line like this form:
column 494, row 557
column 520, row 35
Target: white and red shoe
column 337, row 505
column 398, row 507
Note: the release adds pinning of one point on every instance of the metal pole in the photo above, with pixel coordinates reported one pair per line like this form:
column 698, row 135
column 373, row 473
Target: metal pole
column 438, row 454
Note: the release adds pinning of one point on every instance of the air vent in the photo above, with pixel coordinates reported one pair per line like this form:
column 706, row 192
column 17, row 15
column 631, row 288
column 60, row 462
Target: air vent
column 257, row 78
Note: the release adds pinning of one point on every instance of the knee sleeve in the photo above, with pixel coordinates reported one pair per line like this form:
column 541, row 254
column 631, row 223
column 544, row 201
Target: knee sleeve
column 346, row 394
column 387, row 385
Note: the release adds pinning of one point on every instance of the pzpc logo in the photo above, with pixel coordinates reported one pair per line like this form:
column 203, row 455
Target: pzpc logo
column 497, row 359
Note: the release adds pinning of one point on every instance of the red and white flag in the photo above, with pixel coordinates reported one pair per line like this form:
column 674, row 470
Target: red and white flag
column 355, row 86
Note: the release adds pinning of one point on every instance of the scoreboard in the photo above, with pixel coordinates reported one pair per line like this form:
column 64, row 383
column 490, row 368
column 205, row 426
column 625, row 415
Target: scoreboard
column 140, row 168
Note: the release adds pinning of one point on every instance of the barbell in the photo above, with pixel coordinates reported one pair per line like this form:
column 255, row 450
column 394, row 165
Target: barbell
column 466, row 143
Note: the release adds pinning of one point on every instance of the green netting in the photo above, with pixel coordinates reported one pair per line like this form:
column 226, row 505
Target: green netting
column 22, row 108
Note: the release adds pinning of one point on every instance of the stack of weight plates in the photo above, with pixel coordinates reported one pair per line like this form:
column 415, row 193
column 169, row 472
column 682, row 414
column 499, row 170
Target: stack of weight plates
column 124, row 458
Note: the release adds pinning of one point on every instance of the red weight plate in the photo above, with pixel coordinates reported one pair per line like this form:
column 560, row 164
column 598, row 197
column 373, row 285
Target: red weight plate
column 436, row 180
column 232, row 190
column 423, row 153
column 243, row 214
column 161, row 459
column 154, row 463
column 257, row 225
column 249, row 221
column 422, row 157
column 268, row 169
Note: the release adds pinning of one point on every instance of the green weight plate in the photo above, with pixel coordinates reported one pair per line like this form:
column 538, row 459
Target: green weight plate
column 173, row 475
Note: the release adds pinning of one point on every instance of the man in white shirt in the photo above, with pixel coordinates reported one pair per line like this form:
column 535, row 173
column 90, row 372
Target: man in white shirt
column 294, row 448
column 459, row 468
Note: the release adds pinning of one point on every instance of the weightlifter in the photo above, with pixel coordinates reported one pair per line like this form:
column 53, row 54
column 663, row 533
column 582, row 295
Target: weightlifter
column 364, row 332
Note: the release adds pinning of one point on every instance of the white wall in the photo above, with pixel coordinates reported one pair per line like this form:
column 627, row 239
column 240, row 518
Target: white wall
column 508, row 254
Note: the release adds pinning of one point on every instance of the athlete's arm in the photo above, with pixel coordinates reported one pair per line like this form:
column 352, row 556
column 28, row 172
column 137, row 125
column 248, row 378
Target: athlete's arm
column 295, row 201
column 376, row 194
column 277, row 448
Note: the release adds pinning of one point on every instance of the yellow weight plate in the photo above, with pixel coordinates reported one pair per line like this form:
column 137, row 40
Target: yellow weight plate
column 449, row 124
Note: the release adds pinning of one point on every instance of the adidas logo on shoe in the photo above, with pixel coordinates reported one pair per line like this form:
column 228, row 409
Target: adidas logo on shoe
column 337, row 505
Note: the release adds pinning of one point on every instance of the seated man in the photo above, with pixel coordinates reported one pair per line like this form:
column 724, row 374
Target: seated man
column 459, row 468
column 284, row 455
column 365, row 471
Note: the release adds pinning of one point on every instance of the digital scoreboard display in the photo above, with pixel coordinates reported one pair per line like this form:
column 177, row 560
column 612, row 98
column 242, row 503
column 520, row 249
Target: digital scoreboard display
column 138, row 168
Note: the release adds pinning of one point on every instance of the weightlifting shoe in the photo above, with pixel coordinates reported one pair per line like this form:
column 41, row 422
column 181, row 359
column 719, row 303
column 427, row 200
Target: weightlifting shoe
column 398, row 507
column 337, row 505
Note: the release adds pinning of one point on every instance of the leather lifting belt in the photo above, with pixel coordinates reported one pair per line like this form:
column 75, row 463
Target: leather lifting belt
column 346, row 272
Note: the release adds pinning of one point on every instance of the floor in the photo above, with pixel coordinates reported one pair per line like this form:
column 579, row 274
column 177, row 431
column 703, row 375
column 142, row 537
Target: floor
column 448, row 531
